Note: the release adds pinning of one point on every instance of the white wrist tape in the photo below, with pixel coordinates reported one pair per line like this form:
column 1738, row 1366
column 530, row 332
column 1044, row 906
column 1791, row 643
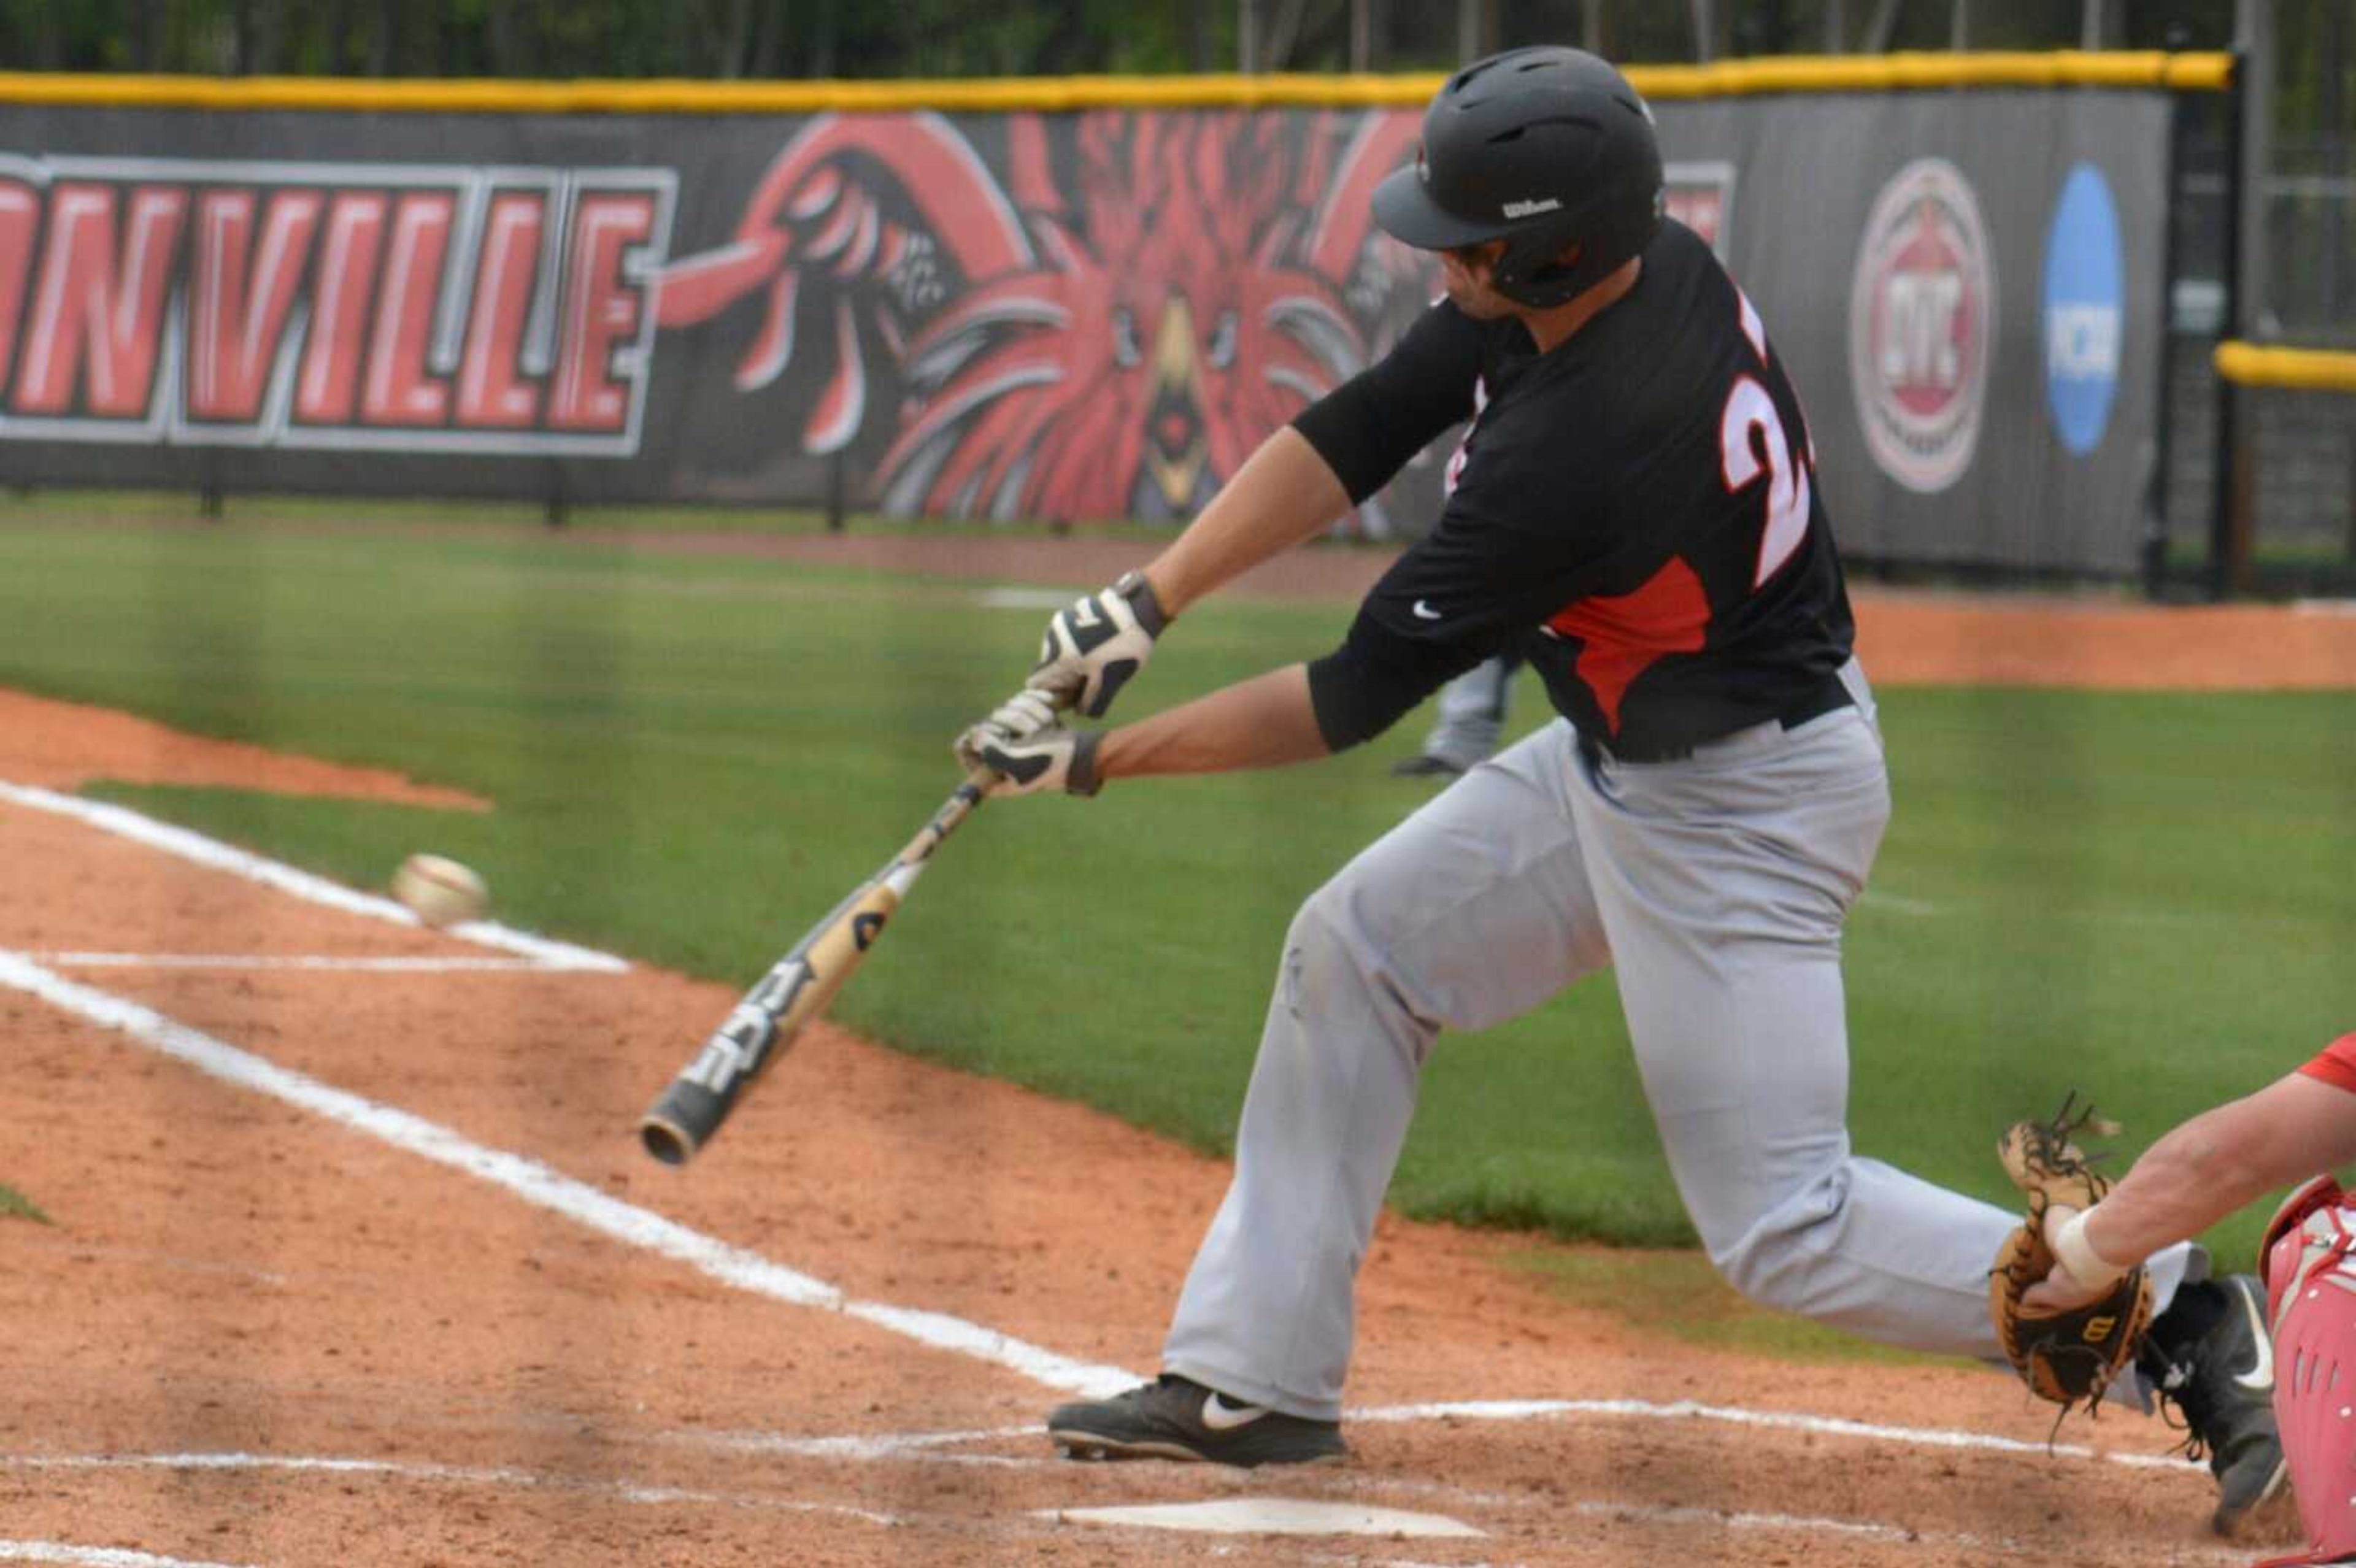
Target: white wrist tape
column 2076, row 1254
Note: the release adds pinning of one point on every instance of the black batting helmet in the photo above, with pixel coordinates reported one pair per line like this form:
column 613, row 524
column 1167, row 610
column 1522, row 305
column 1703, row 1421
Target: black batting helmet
column 1545, row 148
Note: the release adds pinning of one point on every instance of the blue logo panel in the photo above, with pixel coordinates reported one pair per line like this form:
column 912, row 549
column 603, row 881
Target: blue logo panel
column 2085, row 295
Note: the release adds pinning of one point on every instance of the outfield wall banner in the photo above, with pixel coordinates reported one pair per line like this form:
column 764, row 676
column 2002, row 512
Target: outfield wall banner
column 1968, row 291
column 1025, row 314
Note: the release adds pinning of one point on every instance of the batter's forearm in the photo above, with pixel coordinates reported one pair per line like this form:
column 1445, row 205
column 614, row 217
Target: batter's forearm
column 1283, row 494
column 1264, row 722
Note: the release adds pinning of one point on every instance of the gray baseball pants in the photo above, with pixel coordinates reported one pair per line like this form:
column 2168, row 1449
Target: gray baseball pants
column 1716, row 888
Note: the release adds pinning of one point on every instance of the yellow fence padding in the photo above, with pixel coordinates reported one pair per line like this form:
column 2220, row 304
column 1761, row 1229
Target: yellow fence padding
column 2300, row 369
column 2206, row 73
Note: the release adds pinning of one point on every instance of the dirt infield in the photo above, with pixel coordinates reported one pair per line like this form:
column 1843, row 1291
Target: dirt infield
column 356, row 1264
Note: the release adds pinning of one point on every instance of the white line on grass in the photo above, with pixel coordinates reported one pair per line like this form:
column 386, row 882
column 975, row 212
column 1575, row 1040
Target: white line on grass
column 93, row 1556
column 198, row 849
column 536, row 1184
column 1023, row 598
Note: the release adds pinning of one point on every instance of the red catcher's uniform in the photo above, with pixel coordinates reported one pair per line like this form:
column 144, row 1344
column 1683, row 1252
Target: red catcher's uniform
column 2336, row 1063
column 2311, row 1301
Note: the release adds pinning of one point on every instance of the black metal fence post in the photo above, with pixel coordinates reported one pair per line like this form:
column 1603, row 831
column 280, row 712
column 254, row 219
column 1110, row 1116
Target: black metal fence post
column 2156, row 521
column 2224, row 523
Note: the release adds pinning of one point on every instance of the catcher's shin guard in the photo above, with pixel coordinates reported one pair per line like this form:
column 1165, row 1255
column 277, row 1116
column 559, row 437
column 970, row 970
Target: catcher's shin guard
column 2311, row 1300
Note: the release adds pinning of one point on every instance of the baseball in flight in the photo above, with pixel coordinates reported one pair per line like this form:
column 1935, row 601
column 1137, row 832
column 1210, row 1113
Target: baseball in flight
column 439, row 890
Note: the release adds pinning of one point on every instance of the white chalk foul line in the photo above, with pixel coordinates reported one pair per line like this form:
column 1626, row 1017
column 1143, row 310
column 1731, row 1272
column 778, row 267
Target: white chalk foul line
column 1786, row 1421
column 871, row 1447
column 324, row 962
column 536, row 1184
column 857, row 1448
column 93, row 1556
column 1983, row 1548
column 198, row 849
column 746, row 1270
column 1721, row 1519
column 443, row 1475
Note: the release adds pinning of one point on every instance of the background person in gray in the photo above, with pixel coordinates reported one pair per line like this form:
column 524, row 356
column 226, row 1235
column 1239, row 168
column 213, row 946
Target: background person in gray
column 1634, row 510
column 1468, row 720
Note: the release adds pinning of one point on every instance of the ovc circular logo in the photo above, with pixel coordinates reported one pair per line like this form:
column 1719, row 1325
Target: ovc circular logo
column 1922, row 307
column 2085, row 291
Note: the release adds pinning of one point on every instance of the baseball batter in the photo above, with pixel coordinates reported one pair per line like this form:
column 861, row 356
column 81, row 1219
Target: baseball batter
column 1637, row 505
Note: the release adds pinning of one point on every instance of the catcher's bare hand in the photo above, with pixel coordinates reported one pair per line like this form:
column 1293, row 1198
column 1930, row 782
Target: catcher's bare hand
column 1092, row 649
column 2060, row 1291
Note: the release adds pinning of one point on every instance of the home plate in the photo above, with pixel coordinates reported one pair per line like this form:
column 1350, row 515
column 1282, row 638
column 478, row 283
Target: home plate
column 1269, row 1516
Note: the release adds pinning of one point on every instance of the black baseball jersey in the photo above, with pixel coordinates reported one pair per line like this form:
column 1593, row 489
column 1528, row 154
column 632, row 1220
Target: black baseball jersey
column 1636, row 510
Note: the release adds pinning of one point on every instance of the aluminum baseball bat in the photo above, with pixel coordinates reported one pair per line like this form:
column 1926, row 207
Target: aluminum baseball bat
column 797, row 988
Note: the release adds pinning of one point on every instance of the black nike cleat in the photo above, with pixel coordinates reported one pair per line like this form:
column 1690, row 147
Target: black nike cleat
column 1176, row 1418
column 2223, row 1382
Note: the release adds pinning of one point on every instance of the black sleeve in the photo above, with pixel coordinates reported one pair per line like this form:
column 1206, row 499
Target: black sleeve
column 1512, row 548
column 1521, row 536
column 1367, row 428
column 1375, row 679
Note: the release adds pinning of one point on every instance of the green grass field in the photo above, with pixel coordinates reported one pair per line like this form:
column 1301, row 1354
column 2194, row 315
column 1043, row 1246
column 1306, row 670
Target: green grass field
column 2147, row 898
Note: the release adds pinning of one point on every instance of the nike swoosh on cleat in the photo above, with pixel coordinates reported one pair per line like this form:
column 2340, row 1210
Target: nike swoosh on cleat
column 1424, row 612
column 1221, row 1417
column 2260, row 1378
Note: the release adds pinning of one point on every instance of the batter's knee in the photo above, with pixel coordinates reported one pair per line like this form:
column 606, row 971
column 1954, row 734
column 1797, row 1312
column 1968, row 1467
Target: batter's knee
column 1768, row 1256
column 1338, row 965
column 1327, row 941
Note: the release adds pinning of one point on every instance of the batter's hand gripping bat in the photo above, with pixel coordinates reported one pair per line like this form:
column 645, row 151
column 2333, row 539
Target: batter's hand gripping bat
column 763, row 1026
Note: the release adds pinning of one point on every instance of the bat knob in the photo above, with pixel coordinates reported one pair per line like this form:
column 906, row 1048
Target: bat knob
column 666, row 1142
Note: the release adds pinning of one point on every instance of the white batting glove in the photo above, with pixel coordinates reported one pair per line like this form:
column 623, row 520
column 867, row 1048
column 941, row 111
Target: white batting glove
column 1091, row 650
column 1029, row 748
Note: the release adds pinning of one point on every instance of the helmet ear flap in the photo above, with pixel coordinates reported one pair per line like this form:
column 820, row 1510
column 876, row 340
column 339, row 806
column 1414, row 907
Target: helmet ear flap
column 1541, row 268
column 1552, row 263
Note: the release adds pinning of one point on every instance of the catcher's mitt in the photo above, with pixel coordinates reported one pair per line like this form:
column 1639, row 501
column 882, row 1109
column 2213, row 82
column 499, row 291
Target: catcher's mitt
column 2066, row 1357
